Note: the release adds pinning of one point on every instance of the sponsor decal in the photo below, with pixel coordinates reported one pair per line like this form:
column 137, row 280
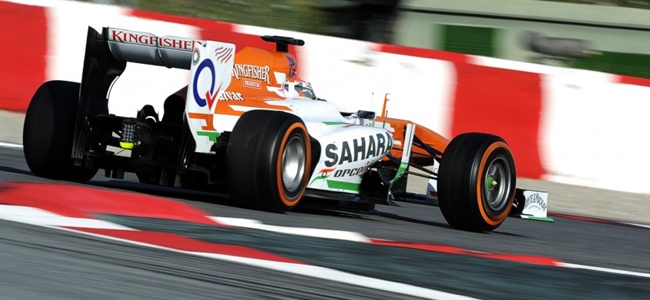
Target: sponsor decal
column 535, row 202
column 170, row 42
column 133, row 37
column 231, row 96
column 210, row 94
column 326, row 173
column 251, row 72
column 358, row 149
column 353, row 171
column 223, row 54
column 196, row 57
column 255, row 84
column 207, row 126
column 323, row 174
column 292, row 66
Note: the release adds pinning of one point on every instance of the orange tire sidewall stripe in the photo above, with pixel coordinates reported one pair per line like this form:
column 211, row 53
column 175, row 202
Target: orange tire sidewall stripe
column 479, row 185
column 288, row 202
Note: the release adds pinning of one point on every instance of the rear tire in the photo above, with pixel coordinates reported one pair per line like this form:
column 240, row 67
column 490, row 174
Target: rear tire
column 476, row 182
column 268, row 160
column 48, row 132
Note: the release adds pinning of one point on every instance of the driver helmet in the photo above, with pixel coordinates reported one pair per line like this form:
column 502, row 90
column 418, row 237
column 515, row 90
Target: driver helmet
column 299, row 88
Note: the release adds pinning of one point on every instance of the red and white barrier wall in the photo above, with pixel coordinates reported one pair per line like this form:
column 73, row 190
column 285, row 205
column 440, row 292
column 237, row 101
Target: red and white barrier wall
column 564, row 125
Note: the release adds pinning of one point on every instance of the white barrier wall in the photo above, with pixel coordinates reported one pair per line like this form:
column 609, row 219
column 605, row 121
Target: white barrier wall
column 595, row 128
column 140, row 84
column 597, row 132
column 564, row 125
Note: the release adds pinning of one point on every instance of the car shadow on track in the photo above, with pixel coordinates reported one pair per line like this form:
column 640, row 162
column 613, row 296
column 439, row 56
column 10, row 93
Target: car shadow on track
column 411, row 220
column 224, row 199
column 15, row 171
column 167, row 192
column 212, row 197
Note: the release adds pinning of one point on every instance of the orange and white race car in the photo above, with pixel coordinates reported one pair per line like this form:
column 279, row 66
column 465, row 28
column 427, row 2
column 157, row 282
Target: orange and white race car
column 246, row 125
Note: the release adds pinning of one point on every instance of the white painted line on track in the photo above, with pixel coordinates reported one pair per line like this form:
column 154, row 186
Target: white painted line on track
column 312, row 232
column 605, row 270
column 10, row 145
column 639, row 225
column 311, row 271
column 343, row 277
column 36, row 216
column 306, row 270
column 47, row 219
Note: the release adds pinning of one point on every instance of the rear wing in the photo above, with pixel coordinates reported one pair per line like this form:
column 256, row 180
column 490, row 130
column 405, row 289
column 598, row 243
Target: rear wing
column 146, row 48
column 105, row 59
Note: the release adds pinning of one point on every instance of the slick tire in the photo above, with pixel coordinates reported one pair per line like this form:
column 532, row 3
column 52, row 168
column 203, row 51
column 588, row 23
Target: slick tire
column 268, row 160
column 476, row 182
column 48, row 132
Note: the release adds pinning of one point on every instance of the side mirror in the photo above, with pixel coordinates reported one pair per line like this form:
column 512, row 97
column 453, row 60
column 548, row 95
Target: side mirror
column 367, row 115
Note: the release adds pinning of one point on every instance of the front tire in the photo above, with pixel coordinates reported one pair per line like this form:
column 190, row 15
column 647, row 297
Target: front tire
column 48, row 132
column 268, row 160
column 476, row 182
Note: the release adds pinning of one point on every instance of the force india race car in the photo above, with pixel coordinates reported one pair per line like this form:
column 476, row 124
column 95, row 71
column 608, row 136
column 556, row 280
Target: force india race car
column 245, row 125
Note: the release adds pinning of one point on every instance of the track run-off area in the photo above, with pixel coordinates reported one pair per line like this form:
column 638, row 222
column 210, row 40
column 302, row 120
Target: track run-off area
column 125, row 240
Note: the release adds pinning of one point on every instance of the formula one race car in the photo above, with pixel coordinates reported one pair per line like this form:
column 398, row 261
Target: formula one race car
column 245, row 125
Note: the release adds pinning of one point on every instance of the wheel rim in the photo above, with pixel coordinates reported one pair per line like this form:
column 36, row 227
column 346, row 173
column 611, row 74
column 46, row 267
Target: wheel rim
column 293, row 163
column 497, row 183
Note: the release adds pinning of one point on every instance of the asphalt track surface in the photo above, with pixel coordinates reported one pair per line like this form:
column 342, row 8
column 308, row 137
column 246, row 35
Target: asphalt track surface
column 40, row 262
